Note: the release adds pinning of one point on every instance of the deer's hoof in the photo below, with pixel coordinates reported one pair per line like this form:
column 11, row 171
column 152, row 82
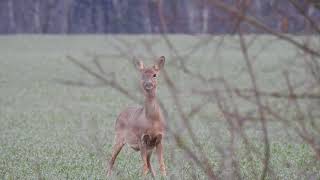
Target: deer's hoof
column 163, row 171
column 145, row 171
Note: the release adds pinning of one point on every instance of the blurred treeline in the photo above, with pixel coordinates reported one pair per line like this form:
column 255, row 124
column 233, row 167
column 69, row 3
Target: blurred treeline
column 143, row 16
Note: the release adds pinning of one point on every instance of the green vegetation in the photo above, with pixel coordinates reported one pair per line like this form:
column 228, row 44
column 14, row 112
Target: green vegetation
column 54, row 131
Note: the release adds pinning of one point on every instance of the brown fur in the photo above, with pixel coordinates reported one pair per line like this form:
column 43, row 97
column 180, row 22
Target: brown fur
column 143, row 128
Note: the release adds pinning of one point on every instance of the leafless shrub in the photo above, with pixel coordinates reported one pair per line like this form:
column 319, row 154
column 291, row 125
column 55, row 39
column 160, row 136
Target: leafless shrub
column 298, row 103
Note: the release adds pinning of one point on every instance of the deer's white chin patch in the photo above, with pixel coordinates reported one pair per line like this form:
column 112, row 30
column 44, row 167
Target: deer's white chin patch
column 148, row 88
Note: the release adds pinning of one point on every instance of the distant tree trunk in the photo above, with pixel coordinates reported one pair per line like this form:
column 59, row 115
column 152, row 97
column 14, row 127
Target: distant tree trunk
column 147, row 17
column 205, row 20
column 284, row 24
column 154, row 18
column 258, row 7
column 98, row 16
column 36, row 17
column 99, row 19
column 116, row 17
column 194, row 15
column 65, row 22
column 163, row 21
column 11, row 16
column 49, row 6
column 93, row 19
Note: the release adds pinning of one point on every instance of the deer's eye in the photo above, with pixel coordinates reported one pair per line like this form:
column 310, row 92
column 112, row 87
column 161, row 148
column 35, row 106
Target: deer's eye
column 154, row 75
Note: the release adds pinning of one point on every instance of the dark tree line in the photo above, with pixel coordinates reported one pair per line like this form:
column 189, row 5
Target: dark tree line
column 142, row 16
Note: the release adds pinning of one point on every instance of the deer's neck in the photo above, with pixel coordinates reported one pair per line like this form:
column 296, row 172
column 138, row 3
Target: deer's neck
column 152, row 108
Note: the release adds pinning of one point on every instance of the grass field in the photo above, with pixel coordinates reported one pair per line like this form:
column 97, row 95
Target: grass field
column 53, row 131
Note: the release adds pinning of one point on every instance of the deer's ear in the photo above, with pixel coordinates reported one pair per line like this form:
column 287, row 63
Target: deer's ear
column 139, row 64
column 159, row 63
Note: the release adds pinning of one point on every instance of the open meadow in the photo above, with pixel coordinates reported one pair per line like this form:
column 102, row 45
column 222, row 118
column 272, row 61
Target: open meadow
column 52, row 129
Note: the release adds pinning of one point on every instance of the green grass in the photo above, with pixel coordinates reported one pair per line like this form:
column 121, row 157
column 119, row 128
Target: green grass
column 54, row 131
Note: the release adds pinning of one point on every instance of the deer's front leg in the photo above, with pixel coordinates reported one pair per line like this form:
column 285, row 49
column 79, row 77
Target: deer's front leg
column 144, row 156
column 159, row 151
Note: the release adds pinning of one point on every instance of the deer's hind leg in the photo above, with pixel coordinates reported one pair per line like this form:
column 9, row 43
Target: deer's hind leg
column 119, row 143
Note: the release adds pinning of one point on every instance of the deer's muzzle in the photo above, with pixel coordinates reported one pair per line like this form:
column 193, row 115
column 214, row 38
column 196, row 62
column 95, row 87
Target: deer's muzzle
column 148, row 86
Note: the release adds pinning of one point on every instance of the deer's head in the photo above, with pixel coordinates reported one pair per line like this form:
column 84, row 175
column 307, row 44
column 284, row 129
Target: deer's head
column 149, row 76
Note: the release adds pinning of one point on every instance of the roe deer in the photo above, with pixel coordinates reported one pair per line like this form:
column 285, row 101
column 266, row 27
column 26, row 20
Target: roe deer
column 143, row 128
